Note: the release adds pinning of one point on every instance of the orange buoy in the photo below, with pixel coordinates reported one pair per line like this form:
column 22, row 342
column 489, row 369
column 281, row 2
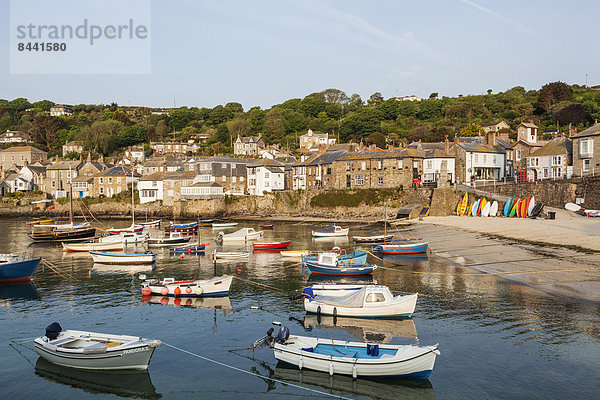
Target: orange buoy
column 239, row 271
column 146, row 291
column 164, row 291
column 177, row 302
column 177, row 291
column 188, row 290
column 181, row 257
column 351, row 261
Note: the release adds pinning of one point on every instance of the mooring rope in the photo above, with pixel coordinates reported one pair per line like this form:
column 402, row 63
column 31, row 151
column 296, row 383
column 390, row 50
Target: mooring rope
column 47, row 263
column 255, row 374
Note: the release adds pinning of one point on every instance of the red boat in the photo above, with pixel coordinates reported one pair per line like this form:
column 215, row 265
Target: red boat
column 130, row 229
column 183, row 231
column 270, row 245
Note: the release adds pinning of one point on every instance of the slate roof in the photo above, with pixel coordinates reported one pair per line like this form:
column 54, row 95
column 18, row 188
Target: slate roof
column 205, row 184
column 74, row 164
column 119, row 170
column 19, row 149
column 555, row 147
column 325, row 158
column 36, row 169
column 170, row 175
column 482, row 148
column 593, row 131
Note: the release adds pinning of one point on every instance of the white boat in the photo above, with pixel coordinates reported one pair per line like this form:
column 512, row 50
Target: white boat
column 125, row 238
column 93, row 246
column 356, row 359
column 331, row 231
column 243, row 234
column 155, row 223
column 572, row 207
column 229, row 254
column 174, row 238
column 123, row 258
column 372, row 239
column 63, row 227
column 294, row 253
column 218, row 286
column 370, row 301
column 90, row 350
column 224, row 225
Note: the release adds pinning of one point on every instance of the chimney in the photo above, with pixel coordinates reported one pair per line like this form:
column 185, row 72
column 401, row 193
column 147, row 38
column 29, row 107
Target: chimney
column 89, row 157
column 446, row 145
column 419, row 146
column 456, row 140
column 26, row 163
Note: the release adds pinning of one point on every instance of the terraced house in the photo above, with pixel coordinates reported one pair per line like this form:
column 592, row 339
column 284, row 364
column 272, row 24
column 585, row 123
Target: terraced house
column 378, row 169
column 551, row 161
column 586, row 152
column 112, row 181
column 315, row 172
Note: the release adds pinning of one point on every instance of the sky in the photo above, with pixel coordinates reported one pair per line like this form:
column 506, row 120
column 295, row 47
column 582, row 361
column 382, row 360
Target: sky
column 263, row 52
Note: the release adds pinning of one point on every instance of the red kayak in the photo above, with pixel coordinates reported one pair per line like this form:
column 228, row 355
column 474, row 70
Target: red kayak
column 271, row 245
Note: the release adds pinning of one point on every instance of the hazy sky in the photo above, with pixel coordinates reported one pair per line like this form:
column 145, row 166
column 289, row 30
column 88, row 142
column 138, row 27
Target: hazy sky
column 206, row 53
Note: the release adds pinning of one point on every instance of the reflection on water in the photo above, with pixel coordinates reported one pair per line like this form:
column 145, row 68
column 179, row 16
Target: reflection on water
column 135, row 384
column 393, row 389
column 363, row 329
column 219, row 303
column 489, row 330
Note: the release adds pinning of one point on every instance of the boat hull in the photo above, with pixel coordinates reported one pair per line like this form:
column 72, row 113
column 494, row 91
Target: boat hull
column 131, row 229
column 372, row 239
column 188, row 249
column 19, row 271
column 400, row 249
column 158, row 242
column 400, row 309
column 357, row 257
column 277, row 245
column 212, row 287
column 84, row 247
column 184, row 231
column 129, row 259
column 409, row 361
column 357, row 269
column 64, row 236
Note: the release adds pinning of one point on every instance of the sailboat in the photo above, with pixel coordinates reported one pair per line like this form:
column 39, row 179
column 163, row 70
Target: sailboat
column 65, row 232
column 133, row 228
column 376, row 238
column 405, row 247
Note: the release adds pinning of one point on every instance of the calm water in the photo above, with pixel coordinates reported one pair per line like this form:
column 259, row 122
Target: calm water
column 498, row 339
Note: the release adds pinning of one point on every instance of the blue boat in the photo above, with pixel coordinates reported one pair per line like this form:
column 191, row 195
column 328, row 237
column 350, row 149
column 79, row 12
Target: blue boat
column 14, row 268
column 356, row 257
column 401, row 249
column 189, row 249
column 180, row 226
column 349, row 270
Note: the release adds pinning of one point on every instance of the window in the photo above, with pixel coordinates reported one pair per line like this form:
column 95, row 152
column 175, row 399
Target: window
column 266, row 175
column 556, row 173
column 154, row 183
column 224, row 165
column 495, row 160
column 328, row 170
column 485, row 158
column 101, row 190
column 586, row 147
column 267, row 184
column 53, row 174
column 241, row 179
column 380, row 180
column 348, row 166
column 363, row 165
column 375, row 298
column 518, row 155
column 224, row 178
column 118, row 180
column 476, row 158
column 586, row 165
column 358, row 180
column 429, row 164
column 546, row 172
column 110, row 179
column 556, row 161
column 233, row 179
column 101, row 181
column 379, row 164
column 400, row 164
column 53, row 184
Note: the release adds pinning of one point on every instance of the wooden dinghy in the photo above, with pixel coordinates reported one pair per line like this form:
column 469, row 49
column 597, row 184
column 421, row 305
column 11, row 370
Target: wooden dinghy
column 123, row 258
column 218, row 286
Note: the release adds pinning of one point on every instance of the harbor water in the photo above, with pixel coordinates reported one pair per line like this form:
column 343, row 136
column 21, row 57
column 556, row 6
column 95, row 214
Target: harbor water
column 498, row 339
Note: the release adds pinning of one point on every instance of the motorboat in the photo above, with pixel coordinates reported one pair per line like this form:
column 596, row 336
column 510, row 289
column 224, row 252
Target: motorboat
column 130, row 229
column 271, row 245
column 243, row 234
column 229, row 255
column 123, row 258
column 356, row 359
column 93, row 246
column 400, row 249
column 218, row 286
column 90, row 350
column 16, row 268
column 174, row 238
column 192, row 248
column 372, row 239
column 368, row 301
column 356, row 257
column 190, row 228
column 63, row 235
column 125, row 238
column 294, row 253
column 331, row 231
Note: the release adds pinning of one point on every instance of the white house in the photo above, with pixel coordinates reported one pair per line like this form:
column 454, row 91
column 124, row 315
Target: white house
column 60, row 110
column 14, row 137
column 150, row 188
column 432, row 166
column 412, row 97
column 311, row 140
column 479, row 162
column 18, row 182
column 265, row 177
column 551, row 161
column 134, row 154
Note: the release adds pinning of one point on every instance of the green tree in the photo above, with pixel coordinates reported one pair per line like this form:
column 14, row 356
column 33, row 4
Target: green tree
column 45, row 129
column 552, row 93
column 471, row 130
column 375, row 99
column 378, row 139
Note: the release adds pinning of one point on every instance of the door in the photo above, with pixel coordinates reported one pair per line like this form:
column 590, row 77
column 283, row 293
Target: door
column 348, row 181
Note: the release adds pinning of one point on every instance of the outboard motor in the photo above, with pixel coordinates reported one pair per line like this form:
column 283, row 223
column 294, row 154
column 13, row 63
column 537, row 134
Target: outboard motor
column 53, row 330
column 282, row 335
column 308, row 293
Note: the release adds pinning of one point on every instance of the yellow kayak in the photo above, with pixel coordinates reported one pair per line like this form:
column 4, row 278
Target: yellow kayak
column 41, row 222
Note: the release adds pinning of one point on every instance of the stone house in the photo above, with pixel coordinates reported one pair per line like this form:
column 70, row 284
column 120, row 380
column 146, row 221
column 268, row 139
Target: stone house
column 14, row 137
column 586, row 152
column 494, row 126
column 176, row 148
column 551, row 161
column 17, row 155
column 173, row 182
column 35, row 174
column 378, row 169
column 478, row 161
column 112, row 181
column 72, row 147
column 202, row 191
column 527, row 131
column 82, row 184
column 265, row 176
column 315, row 172
column 248, row 145
column 311, row 140
column 228, row 172
column 59, row 175
column 519, row 152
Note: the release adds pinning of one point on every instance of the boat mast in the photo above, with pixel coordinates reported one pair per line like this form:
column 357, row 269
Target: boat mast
column 132, row 199
column 384, row 223
column 71, row 193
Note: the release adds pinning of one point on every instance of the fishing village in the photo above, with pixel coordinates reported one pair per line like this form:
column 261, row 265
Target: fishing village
column 185, row 212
